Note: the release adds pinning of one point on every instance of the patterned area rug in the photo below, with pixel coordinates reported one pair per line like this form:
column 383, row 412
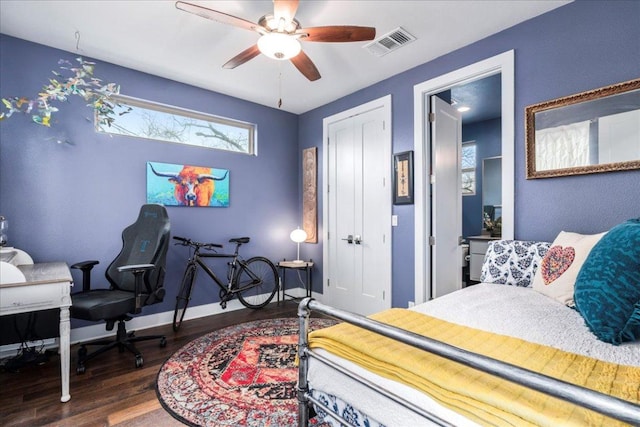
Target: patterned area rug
column 243, row 375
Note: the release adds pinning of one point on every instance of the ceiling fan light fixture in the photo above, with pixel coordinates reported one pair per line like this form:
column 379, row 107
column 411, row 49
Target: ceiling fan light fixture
column 279, row 46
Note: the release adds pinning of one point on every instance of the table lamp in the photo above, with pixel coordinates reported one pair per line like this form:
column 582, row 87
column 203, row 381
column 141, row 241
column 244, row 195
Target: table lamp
column 298, row 235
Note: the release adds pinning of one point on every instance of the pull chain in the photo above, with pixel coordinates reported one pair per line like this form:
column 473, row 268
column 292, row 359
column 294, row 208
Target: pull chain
column 280, row 85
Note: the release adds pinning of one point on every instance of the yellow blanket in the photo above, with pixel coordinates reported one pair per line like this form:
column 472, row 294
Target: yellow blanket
column 481, row 397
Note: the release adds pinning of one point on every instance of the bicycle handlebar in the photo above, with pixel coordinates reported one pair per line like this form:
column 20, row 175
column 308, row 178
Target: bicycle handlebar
column 188, row 242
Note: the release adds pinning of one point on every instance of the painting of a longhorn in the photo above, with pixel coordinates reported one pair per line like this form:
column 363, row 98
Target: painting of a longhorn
column 183, row 185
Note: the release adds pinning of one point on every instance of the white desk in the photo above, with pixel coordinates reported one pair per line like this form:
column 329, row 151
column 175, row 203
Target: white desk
column 47, row 285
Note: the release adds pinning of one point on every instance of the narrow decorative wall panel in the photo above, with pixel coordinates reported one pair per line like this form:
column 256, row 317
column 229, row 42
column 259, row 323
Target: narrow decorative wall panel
column 310, row 194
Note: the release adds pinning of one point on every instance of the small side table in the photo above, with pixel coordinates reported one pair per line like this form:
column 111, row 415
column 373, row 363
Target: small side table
column 285, row 265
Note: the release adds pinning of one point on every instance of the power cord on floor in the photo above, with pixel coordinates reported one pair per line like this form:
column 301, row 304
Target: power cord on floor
column 26, row 354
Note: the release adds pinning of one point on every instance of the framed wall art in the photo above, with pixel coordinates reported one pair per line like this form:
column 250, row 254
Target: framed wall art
column 184, row 185
column 403, row 178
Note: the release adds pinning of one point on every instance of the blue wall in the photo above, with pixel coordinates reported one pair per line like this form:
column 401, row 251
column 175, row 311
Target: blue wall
column 71, row 202
column 578, row 47
column 488, row 140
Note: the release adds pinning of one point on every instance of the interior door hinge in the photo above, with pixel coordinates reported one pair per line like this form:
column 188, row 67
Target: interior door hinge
column 328, row 282
column 383, row 295
column 432, row 117
column 432, row 241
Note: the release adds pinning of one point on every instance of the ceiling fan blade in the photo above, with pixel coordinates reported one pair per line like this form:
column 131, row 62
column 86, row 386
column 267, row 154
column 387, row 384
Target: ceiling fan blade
column 304, row 64
column 285, row 9
column 337, row 34
column 214, row 15
column 244, row 56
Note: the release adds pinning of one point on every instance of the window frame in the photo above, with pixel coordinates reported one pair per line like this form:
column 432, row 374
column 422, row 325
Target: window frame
column 474, row 169
column 124, row 102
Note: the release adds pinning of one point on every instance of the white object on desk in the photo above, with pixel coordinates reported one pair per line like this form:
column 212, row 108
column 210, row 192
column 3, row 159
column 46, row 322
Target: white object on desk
column 9, row 273
column 45, row 286
column 15, row 256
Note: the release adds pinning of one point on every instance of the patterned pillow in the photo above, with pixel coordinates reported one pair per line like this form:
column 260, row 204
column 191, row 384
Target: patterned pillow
column 560, row 266
column 607, row 290
column 512, row 262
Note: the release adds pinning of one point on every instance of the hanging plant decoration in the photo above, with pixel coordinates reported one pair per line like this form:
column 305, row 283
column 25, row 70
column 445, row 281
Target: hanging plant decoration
column 81, row 82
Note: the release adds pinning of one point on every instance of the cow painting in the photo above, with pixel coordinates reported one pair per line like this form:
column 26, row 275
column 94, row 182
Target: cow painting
column 193, row 185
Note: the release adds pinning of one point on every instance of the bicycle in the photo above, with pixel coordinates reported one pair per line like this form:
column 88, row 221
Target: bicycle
column 255, row 281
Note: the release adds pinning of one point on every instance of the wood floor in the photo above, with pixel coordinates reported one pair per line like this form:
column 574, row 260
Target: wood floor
column 112, row 392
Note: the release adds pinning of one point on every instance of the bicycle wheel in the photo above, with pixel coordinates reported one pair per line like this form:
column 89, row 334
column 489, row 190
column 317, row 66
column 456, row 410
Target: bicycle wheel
column 261, row 294
column 184, row 296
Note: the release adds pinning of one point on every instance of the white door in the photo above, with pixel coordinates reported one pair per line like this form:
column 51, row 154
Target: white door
column 504, row 64
column 446, row 219
column 357, row 263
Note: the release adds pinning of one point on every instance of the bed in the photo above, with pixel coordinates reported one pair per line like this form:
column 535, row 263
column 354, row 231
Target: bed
column 546, row 366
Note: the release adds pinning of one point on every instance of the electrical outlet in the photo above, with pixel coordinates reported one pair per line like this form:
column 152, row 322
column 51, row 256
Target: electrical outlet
column 394, row 220
column 411, row 304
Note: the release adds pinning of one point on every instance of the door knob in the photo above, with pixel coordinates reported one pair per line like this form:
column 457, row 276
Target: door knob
column 357, row 239
column 349, row 239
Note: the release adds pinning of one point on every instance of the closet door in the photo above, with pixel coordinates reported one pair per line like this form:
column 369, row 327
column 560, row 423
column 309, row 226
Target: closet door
column 359, row 211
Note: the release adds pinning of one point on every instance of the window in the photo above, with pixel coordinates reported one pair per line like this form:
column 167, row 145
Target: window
column 146, row 119
column 468, row 168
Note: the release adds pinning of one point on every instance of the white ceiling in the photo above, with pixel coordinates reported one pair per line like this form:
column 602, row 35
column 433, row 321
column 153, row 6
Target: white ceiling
column 156, row 38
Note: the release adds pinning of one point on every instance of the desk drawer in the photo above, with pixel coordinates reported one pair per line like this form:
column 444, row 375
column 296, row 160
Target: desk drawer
column 19, row 299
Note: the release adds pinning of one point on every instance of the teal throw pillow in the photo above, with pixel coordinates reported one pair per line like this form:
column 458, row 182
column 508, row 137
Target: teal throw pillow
column 607, row 289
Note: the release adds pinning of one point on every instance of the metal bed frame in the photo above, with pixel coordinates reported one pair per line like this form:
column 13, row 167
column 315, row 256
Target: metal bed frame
column 599, row 402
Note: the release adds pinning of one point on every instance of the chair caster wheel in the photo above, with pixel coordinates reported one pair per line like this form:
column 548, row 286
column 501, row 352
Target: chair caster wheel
column 163, row 342
column 139, row 362
column 80, row 369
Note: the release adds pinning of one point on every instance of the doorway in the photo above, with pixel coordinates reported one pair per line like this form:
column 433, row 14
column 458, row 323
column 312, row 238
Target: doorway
column 501, row 64
column 357, row 208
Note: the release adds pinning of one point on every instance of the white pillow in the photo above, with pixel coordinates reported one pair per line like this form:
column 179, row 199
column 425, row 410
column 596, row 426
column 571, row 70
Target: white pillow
column 512, row 262
column 559, row 268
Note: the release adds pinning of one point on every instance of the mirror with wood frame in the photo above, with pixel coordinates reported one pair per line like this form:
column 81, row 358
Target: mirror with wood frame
column 594, row 131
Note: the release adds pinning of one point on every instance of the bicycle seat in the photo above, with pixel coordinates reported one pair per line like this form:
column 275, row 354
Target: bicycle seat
column 240, row 240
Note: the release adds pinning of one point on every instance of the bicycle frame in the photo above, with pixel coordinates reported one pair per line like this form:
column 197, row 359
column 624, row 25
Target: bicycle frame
column 235, row 264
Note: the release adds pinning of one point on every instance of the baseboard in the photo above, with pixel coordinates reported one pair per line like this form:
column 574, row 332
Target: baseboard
column 139, row 323
column 97, row 331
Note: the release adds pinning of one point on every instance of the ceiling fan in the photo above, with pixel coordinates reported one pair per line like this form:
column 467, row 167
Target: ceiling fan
column 281, row 34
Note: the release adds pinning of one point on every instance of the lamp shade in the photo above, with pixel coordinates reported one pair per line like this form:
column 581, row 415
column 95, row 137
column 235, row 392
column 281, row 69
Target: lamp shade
column 298, row 235
column 279, row 46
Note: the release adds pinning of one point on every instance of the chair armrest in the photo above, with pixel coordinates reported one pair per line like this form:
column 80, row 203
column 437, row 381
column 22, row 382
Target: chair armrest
column 137, row 270
column 85, row 264
column 85, row 267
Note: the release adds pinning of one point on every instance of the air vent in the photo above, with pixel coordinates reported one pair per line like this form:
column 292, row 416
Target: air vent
column 389, row 42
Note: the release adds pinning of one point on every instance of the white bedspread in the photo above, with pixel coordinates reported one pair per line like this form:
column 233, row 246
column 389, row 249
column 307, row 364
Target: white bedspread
column 515, row 311
column 527, row 314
